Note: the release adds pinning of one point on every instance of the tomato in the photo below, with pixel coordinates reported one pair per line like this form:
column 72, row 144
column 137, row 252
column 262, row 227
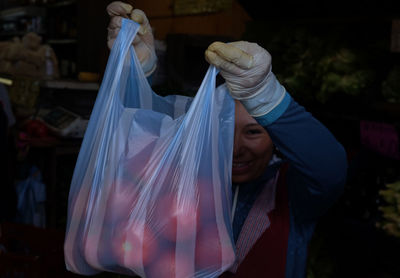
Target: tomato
column 170, row 264
column 130, row 168
column 176, row 221
column 206, row 201
column 134, row 245
column 121, row 201
column 90, row 249
column 213, row 250
column 141, row 162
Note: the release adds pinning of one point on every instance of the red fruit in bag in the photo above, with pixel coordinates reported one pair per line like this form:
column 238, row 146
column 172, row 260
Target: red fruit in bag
column 90, row 248
column 210, row 247
column 134, row 245
column 170, row 264
column 122, row 200
column 206, row 201
column 169, row 214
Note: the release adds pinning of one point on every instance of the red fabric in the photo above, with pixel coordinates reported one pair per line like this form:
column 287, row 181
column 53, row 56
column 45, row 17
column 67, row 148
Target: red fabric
column 267, row 258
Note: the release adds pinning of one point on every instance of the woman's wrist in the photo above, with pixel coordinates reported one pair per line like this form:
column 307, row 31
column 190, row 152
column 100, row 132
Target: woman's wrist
column 266, row 98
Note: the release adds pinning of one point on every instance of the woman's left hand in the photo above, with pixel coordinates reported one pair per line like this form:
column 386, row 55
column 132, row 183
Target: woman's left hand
column 243, row 65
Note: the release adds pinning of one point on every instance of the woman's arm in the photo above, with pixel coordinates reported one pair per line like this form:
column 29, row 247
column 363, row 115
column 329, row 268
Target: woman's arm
column 317, row 161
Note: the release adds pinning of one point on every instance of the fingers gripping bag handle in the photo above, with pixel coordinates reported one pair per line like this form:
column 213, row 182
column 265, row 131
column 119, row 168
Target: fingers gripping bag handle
column 151, row 189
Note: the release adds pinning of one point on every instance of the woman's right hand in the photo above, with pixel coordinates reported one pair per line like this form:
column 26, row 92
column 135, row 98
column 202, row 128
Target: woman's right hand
column 144, row 40
column 246, row 68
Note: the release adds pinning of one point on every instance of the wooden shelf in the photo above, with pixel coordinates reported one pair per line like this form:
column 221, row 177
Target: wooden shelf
column 22, row 11
column 62, row 41
column 69, row 84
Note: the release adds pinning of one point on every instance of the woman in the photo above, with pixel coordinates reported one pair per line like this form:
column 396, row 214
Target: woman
column 277, row 201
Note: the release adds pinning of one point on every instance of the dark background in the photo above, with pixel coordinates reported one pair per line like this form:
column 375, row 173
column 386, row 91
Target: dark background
column 347, row 242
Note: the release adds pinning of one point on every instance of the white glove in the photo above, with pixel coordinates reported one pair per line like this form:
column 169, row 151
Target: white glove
column 246, row 68
column 144, row 40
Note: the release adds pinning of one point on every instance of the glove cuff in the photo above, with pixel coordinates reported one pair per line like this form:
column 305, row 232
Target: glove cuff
column 266, row 98
column 150, row 65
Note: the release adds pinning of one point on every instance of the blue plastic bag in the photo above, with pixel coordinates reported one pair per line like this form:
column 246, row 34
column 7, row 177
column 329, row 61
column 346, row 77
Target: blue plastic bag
column 151, row 190
column 31, row 195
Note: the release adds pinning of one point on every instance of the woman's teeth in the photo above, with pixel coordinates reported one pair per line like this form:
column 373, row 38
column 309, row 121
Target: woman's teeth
column 238, row 165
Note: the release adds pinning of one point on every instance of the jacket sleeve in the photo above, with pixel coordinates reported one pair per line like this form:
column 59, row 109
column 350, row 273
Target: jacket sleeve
column 317, row 161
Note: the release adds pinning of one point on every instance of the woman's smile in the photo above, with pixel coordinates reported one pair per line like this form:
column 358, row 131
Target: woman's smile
column 240, row 167
column 252, row 148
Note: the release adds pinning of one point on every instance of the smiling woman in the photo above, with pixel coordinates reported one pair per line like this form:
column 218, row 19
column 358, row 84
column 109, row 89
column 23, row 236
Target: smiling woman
column 253, row 148
column 277, row 201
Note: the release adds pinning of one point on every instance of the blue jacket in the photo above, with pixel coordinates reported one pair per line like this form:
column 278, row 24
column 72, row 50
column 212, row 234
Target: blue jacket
column 315, row 178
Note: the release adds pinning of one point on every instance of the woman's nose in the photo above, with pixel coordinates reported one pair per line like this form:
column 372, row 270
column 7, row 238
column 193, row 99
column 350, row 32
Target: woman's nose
column 237, row 146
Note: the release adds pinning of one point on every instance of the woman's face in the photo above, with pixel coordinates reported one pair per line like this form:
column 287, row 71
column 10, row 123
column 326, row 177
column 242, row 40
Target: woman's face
column 252, row 148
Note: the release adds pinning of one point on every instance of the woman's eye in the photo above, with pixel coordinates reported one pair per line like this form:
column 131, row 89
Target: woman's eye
column 253, row 131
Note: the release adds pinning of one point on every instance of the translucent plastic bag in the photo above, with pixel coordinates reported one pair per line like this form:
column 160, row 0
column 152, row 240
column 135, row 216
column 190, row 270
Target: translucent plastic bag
column 151, row 190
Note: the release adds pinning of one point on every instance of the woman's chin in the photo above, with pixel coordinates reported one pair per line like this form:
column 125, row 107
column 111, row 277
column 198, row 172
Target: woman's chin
column 240, row 178
column 240, row 174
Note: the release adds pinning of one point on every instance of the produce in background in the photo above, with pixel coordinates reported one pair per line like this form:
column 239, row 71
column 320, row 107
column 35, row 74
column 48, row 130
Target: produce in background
column 28, row 57
column 391, row 210
column 391, row 85
column 342, row 72
column 313, row 65
column 295, row 58
column 298, row 81
column 321, row 263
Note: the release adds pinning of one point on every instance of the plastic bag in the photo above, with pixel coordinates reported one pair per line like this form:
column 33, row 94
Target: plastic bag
column 31, row 195
column 151, row 190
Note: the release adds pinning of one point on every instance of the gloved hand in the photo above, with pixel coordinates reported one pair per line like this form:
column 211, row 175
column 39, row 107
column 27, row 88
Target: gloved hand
column 246, row 68
column 144, row 40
